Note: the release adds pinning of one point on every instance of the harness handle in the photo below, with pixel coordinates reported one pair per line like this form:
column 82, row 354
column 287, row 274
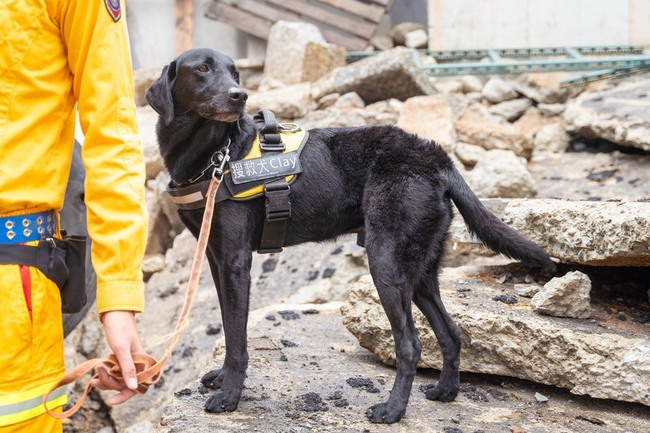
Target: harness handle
column 150, row 368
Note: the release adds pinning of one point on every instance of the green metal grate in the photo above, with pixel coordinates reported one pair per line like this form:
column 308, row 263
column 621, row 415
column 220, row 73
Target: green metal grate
column 525, row 60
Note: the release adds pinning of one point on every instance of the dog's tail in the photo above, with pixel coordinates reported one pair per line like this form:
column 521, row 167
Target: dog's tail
column 495, row 234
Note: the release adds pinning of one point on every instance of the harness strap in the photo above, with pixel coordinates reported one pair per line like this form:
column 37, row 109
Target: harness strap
column 270, row 139
column 278, row 211
column 278, row 204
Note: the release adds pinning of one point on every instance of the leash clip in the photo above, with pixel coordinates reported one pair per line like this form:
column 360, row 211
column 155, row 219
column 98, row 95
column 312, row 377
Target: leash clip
column 223, row 157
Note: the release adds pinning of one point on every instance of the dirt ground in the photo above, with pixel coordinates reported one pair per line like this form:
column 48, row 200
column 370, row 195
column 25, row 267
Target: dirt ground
column 295, row 385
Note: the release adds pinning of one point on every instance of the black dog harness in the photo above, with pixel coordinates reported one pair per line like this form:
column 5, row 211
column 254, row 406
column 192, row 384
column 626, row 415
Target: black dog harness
column 269, row 168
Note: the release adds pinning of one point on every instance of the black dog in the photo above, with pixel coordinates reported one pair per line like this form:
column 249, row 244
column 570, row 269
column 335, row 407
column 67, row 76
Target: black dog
column 394, row 187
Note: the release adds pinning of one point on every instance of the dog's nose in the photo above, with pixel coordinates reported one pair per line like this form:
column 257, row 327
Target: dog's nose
column 237, row 94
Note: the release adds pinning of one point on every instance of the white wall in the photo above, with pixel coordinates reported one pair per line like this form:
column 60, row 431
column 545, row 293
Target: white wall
column 466, row 24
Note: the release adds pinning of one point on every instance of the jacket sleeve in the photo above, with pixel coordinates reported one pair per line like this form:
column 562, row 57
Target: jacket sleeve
column 99, row 59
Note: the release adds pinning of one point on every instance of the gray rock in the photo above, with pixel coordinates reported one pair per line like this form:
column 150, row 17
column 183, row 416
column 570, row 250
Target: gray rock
column 497, row 90
column 142, row 79
column 297, row 52
column 566, row 296
column 399, row 32
column 382, row 42
column 349, row 100
column 469, row 154
column 473, row 83
column 511, row 110
column 449, row 85
column 508, row 340
column 147, row 119
column 141, row 427
column 494, row 136
column 551, row 109
column 551, row 138
column 542, row 88
column 416, row 39
column 541, row 398
column 500, row 173
column 390, row 74
column 527, row 290
column 585, row 232
column 429, row 117
column 327, row 101
column 331, row 117
column 620, row 114
column 287, row 102
column 164, row 222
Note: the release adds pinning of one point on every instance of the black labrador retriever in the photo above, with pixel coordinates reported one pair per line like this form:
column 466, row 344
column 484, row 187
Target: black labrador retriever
column 394, row 187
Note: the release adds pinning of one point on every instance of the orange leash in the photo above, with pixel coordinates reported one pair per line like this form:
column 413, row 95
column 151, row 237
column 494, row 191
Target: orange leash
column 150, row 368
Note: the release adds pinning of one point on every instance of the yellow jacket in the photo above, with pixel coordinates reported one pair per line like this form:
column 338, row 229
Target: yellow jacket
column 55, row 53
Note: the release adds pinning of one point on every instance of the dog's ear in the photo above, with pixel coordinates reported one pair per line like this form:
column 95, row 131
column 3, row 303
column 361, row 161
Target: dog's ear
column 159, row 93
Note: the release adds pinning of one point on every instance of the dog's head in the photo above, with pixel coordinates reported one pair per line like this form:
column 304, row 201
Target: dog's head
column 201, row 81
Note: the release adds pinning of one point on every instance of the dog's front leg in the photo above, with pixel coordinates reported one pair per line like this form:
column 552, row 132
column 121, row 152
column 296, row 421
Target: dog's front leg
column 233, row 275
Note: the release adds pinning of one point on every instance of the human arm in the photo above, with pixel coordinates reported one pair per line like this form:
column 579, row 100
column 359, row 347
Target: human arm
column 99, row 59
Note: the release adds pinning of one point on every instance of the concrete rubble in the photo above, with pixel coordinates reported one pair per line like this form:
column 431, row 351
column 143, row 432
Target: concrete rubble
column 501, row 173
column 296, row 52
column 506, row 339
column 585, row 232
column 390, row 74
column 619, row 113
column 566, row 296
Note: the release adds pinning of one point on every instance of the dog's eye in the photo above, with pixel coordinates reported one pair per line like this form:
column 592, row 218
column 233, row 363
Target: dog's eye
column 235, row 76
column 202, row 68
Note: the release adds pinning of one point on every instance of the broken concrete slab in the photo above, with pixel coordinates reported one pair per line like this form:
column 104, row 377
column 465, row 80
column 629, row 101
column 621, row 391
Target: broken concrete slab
column 609, row 361
column 390, row 74
column 619, row 113
column 585, row 232
column 297, row 52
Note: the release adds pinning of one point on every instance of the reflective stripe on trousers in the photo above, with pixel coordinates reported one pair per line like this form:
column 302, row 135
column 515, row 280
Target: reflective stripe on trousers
column 29, row 407
column 31, row 354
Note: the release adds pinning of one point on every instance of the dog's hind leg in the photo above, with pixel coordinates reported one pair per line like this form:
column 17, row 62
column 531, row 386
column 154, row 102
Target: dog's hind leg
column 233, row 276
column 427, row 298
column 395, row 292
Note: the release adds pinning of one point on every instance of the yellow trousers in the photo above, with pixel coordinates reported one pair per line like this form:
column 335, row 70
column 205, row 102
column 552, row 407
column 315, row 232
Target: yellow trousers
column 31, row 350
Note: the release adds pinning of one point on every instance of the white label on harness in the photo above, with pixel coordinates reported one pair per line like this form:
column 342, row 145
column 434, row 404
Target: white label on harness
column 265, row 167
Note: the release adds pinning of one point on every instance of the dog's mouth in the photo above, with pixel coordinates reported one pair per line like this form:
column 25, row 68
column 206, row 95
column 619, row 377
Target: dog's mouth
column 226, row 117
column 221, row 113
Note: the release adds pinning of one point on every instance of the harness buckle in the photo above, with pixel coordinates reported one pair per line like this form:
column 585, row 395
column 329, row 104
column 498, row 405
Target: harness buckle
column 278, row 205
column 270, row 144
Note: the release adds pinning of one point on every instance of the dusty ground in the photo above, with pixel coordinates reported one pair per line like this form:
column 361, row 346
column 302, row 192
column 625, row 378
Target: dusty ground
column 308, row 374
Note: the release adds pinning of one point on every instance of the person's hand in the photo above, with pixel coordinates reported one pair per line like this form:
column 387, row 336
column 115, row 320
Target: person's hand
column 123, row 339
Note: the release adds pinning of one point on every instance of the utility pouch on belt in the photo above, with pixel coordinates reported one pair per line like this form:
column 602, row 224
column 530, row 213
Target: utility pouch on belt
column 61, row 260
column 73, row 290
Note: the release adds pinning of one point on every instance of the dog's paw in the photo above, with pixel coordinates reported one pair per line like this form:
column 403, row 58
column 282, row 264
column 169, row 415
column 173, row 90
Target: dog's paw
column 440, row 393
column 221, row 402
column 384, row 413
column 213, row 378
